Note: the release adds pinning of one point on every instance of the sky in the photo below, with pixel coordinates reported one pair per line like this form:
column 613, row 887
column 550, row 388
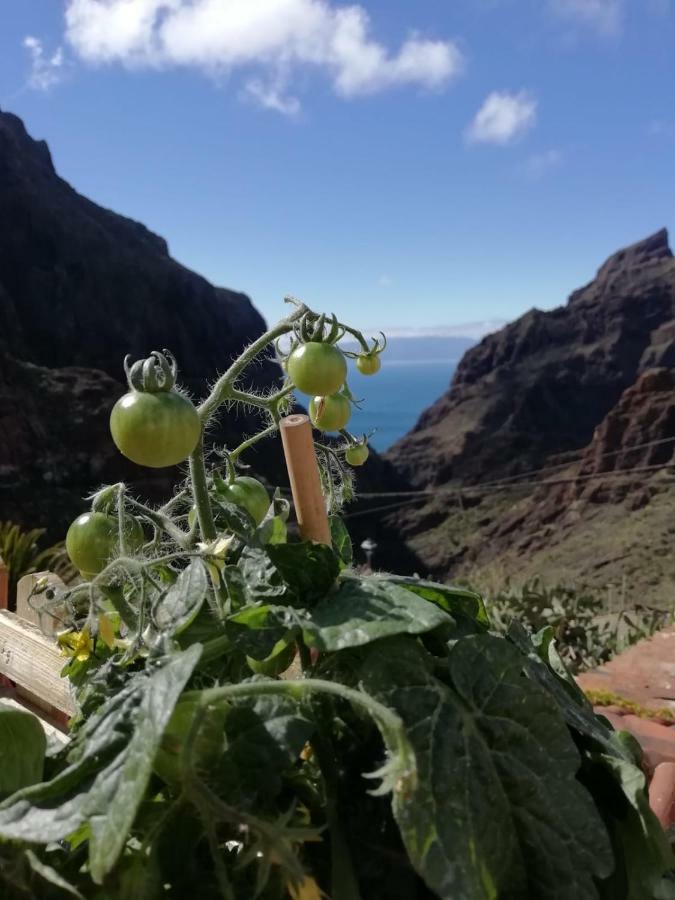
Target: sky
column 411, row 166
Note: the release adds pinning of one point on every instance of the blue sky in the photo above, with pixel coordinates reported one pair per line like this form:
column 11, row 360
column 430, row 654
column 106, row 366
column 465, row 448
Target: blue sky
column 410, row 165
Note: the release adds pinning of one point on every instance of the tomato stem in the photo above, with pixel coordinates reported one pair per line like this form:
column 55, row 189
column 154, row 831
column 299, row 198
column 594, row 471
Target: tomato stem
column 200, row 492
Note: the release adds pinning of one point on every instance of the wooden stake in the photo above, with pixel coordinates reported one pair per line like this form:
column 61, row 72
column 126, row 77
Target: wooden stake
column 303, row 472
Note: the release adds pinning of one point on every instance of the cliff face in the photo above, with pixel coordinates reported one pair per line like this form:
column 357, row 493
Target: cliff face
column 80, row 287
column 542, row 384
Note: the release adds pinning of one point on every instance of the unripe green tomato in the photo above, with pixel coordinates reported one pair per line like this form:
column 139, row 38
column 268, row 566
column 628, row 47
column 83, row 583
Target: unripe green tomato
column 155, row 430
column 357, row 455
column 250, row 494
column 368, row 363
column 330, row 413
column 317, row 369
column 93, row 538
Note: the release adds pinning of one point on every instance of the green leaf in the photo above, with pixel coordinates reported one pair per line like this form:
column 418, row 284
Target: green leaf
column 497, row 811
column 452, row 599
column 646, row 853
column 265, row 736
column 342, row 542
column 50, row 875
column 182, row 602
column 543, row 665
column 232, row 518
column 22, row 749
column 366, row 610
column 260, row 576
column 110, row 826
column 309, row 570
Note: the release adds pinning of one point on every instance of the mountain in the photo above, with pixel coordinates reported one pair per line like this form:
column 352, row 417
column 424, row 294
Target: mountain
column 546, row 456
column 81, row 286
column 540, row 385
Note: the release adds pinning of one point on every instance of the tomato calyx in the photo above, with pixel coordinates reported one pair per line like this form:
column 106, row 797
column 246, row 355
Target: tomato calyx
column 152, row 375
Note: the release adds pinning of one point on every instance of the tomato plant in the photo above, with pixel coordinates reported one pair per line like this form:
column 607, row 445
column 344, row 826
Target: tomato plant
column 357, row 454
column 153, row 425
column 249, row 494
column 330, row 413
column 257, row 718
column 317, row 368
column 93, row 539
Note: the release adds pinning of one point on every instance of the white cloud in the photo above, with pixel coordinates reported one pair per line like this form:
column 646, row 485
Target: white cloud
column 385, row 281
column 537, row 165
column 605, row 16
column 270, row 35
column 502, row 118
column 45, row 71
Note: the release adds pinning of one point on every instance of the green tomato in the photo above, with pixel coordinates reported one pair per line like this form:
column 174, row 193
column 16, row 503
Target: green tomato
column 357, row 455
column 330, row 413
column 155, row 430
column 249, row 494
column 317, row 369
column 368, row 363
column 92, row 540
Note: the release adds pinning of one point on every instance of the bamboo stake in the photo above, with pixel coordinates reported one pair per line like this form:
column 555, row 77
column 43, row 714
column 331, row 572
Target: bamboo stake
column 303, row 472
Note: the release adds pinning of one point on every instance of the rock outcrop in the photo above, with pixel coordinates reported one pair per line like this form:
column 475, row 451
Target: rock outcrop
column 542, row 384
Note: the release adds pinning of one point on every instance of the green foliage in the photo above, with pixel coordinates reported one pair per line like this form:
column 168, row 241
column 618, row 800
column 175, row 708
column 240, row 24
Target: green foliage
column 588, row 634
column 22, row 555
column 406, row 754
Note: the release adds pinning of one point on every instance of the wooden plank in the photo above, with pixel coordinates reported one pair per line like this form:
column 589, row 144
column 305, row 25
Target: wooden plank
column 29, row 610
column 4, row 585
column 33, row 661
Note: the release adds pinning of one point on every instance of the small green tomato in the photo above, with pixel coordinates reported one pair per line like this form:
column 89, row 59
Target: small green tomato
column 330, row 413
column 357, row 455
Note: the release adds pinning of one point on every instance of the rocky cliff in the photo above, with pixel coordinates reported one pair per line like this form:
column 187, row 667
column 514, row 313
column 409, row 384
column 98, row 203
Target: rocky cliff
column 80, row 287
column 542, row 384
column 572, row 414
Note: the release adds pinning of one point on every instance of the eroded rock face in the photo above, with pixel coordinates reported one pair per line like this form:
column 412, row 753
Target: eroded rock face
column 80, row 287
column 542, row 384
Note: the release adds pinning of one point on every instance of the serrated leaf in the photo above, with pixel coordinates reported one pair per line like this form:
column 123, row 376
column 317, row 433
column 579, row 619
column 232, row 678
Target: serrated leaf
column 498, row 811
column 369, row 609
column 23, row 746
column 232, row 518
column 184, row 599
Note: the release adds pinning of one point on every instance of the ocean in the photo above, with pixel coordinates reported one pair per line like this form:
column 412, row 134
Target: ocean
column 395, row 397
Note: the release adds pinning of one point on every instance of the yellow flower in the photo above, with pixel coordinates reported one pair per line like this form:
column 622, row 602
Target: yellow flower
column 217, row 549
column 106, row 631
column 308, row 889
column 77, row 644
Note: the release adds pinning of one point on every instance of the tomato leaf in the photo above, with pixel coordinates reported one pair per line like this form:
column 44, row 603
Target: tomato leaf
column 452, row 599
column 232, row 518
column 180, row 605
column 110, row 826
column 366, row 610
column 309, row 570
column 22, row 749
column 342, row 542
column 498, row 810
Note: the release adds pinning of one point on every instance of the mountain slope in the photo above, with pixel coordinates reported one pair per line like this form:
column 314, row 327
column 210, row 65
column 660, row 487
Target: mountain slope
column 541, row 384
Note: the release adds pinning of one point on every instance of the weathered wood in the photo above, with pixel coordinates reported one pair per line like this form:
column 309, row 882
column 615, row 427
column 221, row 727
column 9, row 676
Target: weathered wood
column 34, row 663
column 4, row 585
column 303, row 473
column 29, row 611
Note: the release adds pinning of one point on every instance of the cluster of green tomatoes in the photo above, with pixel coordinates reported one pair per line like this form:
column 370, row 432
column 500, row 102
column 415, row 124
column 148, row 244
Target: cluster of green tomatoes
column 155, row 425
